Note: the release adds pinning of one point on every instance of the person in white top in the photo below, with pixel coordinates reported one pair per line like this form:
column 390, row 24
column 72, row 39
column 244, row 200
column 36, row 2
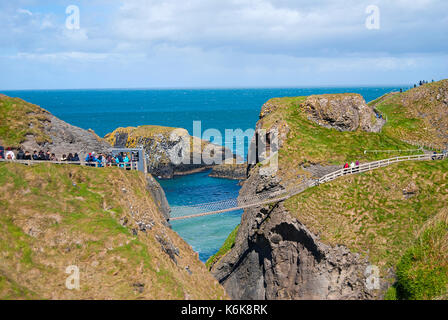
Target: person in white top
column 10, row 155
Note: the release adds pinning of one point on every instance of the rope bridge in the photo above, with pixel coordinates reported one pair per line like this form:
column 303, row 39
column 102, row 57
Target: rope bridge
column 229, row 205
column 240, row 203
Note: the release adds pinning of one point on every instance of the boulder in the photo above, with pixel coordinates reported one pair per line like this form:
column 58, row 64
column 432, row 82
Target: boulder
column 343, row 112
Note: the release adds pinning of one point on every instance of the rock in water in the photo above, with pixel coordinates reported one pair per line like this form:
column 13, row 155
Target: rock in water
column 170, row 151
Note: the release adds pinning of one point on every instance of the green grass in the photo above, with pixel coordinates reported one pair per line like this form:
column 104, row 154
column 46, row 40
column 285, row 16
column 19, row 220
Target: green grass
column 19, row 119
column 422, row 272
column 369, row 213
column 11, row 290
column 309, row 142
column 228, row 244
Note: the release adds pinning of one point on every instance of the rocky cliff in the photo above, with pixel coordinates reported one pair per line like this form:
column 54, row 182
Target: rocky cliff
column 320, row 244
column 170, row 151
column 30, row 127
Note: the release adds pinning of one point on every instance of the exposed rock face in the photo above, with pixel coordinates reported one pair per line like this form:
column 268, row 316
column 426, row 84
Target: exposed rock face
column 229, row 171
column 170, row 151
column 69, row 139
column 43, row 131
column 277, row 257
column 346, row 112
column 159, row 197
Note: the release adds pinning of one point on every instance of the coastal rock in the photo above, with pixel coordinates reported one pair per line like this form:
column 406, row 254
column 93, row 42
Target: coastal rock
column 43, row 131
column 344, row 112
column 159, row 197
column 229, row 171
column 275, row 256
column 170, row 151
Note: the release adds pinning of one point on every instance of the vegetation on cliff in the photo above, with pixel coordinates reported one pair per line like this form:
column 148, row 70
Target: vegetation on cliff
column 380, row 214
column 102, row 221
column 226, row 247
column 419, row 115
column 19, row 119
column 27, row 126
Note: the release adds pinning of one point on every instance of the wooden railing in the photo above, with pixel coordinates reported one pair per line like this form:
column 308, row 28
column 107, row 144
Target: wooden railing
column 379, row 164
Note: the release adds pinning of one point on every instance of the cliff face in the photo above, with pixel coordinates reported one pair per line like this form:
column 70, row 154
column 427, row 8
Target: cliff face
column 229, row 171
column 32, row 128
column 163, row 144
column 275, row 256
column 104, row 222
column 320, row 244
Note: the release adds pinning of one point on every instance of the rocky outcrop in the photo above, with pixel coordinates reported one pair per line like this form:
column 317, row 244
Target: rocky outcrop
column 66, row 139
column 346, row 112
column 33, row 128
column 158, row 194
column 275, row 256
column 170, row 151
column 229, row 171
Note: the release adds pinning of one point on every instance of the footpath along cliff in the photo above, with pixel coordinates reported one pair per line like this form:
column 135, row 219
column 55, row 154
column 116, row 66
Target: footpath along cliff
column 329, row 241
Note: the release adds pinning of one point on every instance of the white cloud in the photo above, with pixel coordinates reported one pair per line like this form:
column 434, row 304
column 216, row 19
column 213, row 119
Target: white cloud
column 24, row 11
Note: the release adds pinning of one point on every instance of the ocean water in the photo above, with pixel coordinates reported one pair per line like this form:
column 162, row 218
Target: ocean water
column 105, row 110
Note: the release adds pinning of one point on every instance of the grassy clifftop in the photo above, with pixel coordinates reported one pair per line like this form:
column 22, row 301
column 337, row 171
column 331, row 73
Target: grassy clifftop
column 419, row 115
column 382, row 214
column 19, row 119
column 102, row 221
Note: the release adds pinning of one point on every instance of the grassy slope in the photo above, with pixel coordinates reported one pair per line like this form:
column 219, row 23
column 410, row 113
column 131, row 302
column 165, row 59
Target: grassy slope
column 308, row 143
column 228, row 244
column 417, row 115
column 56, row 216
column 369, row 213
column 19, row 119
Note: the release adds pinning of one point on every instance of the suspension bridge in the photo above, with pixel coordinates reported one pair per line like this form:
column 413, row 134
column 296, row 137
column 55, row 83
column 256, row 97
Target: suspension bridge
column 240, row 203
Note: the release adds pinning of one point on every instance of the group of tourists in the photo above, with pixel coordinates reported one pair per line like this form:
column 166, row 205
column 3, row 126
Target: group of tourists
column 36, row 156
column 352, row 167
column 101, row 160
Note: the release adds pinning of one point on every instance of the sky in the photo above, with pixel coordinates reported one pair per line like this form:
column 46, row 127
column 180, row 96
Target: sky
column 221, row 43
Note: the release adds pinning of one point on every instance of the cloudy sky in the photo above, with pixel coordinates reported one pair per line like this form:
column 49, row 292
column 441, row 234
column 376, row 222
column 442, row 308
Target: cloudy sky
column 220, row 43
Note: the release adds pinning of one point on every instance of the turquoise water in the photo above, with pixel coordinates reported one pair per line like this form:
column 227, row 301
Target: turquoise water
column 204, row 234
column 105, row 110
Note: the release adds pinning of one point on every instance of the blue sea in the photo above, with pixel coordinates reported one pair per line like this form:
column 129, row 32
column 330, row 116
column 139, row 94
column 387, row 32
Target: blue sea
column 105, row 110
